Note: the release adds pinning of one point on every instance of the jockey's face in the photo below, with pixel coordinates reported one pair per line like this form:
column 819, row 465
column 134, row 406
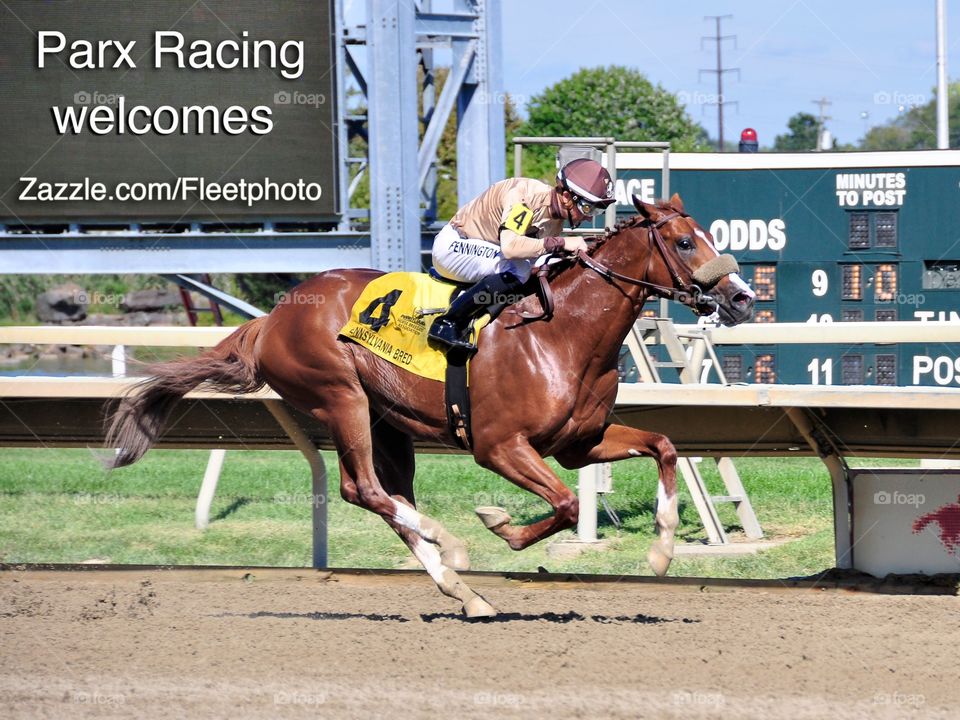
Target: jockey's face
column 574, row 215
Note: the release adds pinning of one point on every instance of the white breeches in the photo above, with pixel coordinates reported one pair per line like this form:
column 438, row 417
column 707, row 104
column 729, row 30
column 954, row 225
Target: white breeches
column 468, row 260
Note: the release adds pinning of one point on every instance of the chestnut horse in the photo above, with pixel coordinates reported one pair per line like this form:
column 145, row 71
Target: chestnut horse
column 538, row 389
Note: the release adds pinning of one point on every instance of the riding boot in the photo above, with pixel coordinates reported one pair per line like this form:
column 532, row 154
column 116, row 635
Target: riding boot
column 451, row 328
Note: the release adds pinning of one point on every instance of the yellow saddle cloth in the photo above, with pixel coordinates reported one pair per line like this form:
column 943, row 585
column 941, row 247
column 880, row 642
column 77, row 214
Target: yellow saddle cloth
column 392, row 316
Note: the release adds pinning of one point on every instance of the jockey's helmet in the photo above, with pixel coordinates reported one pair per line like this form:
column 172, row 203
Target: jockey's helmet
column 589, row 183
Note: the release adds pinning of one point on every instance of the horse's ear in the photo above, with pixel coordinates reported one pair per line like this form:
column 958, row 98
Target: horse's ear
column 645, row 209
column 676, row 203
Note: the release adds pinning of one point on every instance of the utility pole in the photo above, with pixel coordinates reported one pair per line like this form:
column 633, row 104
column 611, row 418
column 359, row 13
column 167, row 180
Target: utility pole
column 822, row 118
column 718, row 38
column 943, row 128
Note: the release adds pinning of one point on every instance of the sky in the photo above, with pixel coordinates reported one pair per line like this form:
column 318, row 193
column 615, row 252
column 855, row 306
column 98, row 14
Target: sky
column 864, row 57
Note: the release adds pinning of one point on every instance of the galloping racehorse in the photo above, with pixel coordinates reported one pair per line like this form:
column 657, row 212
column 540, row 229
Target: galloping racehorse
column 538, row 389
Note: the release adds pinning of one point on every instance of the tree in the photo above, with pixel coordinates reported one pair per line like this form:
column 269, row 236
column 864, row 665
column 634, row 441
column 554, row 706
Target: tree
column 615, row 101
column 916, row 128
column 804, row 130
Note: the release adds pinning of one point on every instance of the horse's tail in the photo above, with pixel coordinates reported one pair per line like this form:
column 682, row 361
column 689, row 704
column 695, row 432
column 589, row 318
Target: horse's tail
column 230, row 366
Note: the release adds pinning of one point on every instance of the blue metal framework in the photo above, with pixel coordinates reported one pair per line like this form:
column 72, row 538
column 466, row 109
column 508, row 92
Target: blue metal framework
column 397, row 36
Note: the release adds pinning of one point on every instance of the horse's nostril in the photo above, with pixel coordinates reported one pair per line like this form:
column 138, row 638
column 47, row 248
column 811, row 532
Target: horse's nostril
column 742, row 298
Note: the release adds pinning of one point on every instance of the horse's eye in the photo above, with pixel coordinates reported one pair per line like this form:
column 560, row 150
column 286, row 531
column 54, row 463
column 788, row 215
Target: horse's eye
column 685, row 243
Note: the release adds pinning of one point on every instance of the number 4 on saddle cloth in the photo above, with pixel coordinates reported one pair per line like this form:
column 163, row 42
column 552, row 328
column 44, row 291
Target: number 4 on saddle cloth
column 391, row 319
column 392, row 316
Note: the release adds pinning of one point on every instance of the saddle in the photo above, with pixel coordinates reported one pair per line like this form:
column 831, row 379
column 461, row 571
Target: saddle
column 391, row 318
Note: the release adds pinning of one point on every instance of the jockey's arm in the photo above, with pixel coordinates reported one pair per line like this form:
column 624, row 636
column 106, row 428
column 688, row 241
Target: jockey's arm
column 520, row 246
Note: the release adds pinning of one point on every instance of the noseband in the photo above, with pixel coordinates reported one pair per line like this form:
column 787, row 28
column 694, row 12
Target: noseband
column 690, row 294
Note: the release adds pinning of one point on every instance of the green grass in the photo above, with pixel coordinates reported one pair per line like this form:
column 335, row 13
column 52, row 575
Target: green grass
column 60, row 506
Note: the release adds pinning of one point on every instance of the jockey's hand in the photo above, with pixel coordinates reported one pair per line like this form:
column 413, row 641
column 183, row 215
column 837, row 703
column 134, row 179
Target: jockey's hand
column 567, row 244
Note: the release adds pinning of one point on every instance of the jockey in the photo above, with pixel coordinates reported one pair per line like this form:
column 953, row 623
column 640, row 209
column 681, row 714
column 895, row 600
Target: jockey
column 495, row 239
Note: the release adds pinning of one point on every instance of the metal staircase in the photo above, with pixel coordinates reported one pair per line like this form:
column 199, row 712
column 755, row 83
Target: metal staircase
column 193, row 310
column 693, row 360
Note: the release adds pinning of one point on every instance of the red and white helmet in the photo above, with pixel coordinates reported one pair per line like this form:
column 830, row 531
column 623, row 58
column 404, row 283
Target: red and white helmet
column 588, row 180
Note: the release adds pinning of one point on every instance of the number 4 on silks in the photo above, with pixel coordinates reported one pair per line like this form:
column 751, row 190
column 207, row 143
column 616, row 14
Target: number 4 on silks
column 384, row 303
column 518, row 219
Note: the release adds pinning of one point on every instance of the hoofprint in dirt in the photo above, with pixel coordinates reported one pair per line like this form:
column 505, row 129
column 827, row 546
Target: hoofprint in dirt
column 215, row 643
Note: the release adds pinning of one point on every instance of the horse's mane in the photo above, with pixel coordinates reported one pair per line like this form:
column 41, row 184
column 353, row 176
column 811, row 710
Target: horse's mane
column 595, row 242
column 631, row 222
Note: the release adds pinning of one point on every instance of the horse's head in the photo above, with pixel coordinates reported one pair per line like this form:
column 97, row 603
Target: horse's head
column 705, row 280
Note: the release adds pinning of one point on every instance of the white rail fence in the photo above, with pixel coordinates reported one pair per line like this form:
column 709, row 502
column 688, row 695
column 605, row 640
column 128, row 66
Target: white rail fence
column 701, row 407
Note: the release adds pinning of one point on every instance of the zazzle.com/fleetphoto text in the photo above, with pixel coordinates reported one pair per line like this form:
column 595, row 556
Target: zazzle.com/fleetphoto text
column 183, row 188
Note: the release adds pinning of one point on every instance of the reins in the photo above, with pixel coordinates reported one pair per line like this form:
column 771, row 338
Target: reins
column 690, row 294
column 687, row 293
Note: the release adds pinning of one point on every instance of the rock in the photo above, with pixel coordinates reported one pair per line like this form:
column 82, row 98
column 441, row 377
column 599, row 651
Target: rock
column 104, row 319
column 142, row 319
column 150, row 300
column 63, row 304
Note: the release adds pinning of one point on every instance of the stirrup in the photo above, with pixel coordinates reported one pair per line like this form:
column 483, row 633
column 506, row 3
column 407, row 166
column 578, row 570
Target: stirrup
column 446, row 333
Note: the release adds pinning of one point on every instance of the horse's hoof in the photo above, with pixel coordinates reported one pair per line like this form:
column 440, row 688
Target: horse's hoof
column 660, row 557
column 455, row 557
column 477, row 607
column 493, row 517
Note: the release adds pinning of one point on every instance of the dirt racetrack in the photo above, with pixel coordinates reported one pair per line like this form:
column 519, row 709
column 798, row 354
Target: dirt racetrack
column 298, row 643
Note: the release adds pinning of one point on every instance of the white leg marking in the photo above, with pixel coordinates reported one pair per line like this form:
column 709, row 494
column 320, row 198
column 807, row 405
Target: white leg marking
column 412, row 520
column 407, row 516
column 634, row 453
column 429, row 557
column 667, row 516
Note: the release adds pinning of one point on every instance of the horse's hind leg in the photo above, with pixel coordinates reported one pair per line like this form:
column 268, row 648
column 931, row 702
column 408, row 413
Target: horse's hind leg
column 394, row 462
column 353, row 437
column 619, row 442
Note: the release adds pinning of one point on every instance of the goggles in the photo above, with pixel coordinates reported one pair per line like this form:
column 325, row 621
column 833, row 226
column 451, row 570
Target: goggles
column 588, row 209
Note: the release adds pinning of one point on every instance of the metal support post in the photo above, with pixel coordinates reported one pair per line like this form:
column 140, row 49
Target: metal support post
column 481, row 156
column 318, row 476
column 839, row 477
column 393, row 122
column 587, row 493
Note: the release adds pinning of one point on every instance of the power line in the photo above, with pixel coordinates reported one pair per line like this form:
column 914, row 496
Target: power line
column 718, row 38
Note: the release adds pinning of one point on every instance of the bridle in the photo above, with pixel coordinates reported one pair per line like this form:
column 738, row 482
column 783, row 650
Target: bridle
column 688, row 293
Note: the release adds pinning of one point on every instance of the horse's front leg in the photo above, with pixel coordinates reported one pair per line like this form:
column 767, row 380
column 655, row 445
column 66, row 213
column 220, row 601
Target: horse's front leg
column 519, row 463
column 618, row 442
